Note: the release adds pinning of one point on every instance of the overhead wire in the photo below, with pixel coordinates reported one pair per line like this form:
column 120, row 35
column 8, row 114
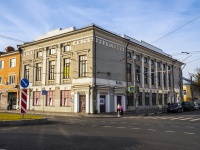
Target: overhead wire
column 176, row 29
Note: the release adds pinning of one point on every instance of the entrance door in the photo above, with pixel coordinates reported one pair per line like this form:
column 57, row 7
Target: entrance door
column 102, row 103
column 82, row 104
column 12, row 99
column 119, row 100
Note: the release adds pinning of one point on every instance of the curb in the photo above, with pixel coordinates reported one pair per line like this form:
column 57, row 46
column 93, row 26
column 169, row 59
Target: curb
column 23, row 122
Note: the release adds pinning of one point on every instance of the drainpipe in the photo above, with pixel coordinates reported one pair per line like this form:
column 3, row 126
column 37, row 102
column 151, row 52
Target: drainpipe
column 128, row 40
column 94, row 87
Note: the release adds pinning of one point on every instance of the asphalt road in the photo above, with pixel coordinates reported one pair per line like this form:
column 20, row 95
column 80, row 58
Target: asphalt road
column 177, row 131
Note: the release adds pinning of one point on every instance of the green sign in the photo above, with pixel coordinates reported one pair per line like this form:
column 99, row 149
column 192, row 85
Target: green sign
column 131, row 89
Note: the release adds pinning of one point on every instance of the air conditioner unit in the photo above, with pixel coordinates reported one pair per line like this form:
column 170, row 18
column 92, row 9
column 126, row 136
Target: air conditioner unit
column 14, row 85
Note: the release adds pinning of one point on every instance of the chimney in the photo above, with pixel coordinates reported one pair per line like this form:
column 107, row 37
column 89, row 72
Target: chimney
column 9, row 49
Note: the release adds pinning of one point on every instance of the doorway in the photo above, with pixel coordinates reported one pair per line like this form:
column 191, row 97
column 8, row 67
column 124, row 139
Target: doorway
column 102, row 103
column 82, row 104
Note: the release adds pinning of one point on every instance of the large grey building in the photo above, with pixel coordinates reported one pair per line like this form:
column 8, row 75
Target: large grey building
column 89, row 69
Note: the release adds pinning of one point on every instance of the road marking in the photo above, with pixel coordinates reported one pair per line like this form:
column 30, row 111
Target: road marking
column 151, row 129
column 120, row 127
column 176, row 118
column 102, row 121
column 169, row 131
column 107, row 126
column 195, row 119
column 188, row 133
column 189, row 127
column 112, row 122
column 174, row 126
column 94, row 125
column 136, row 128
column 185, row 119
column 134, row 123
column 82, row 124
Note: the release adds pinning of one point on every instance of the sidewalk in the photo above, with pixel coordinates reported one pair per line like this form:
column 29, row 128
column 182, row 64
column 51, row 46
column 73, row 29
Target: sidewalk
column 99, row 115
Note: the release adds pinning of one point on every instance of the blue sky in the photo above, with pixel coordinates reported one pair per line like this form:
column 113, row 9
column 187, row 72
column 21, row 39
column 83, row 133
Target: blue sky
column 146, row 20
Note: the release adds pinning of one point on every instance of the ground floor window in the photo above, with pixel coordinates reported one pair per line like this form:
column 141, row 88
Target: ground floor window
column 36, row 98
column 153, row 98
column 130, row 99
column 160, row 99
column 165, row 99
column 146, row 98
column 50, row 101
column 65, row 98
column 140, row 98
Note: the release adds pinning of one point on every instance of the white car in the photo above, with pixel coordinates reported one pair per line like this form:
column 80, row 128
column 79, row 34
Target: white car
column 196, row 106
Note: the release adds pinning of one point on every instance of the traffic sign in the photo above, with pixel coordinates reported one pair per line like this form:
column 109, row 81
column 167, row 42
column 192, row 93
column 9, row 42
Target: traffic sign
column 24, row 83
column 44, row 92
column 23, row 100
column 131, row 89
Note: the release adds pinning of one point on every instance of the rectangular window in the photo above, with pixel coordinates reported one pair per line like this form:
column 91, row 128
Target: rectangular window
column 137, row 57
column 36, row 98
column 152, row 77
column 67, row 48
column 145, row 60
column 140, row 98
column 169, row 68
column 38, row 72
column 1, row 64
column 145, row 75
column 153, row 98
column 164, row 79
column 152, row 62
column 51, row 70
column 130, row 99
column 164, row 66
column 158, row 64
column 82, row 66
column 12, row 62
column 128, row 55
column 129, row 72
column 50, row 98
column 159, row 83
column 137, row 73
column 1, row 80
column 39, row 54
column 66, row 68
column 65, row 98
column 160, row 99
column 165, row 99
column 146, row 98
column 11, row 79
column 26, row 71
column 52, row 51
column 170, row 80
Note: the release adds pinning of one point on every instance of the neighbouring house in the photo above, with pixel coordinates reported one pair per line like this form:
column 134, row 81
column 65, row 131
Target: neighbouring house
column 9, row 78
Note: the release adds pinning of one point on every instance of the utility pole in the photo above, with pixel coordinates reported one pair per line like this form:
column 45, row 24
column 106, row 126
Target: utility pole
column 191, row 88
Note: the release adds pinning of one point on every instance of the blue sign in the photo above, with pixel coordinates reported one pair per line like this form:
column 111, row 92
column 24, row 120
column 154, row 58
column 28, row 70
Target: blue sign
column 44, row 92
column 24, row 83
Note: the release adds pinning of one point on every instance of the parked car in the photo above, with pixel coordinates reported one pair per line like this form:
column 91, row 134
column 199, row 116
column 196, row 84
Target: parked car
column 175, row 107
column 187, row 106
column 197, row 106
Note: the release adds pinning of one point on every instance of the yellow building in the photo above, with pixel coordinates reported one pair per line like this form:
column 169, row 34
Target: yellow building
column 190, row 94
column 9, row 78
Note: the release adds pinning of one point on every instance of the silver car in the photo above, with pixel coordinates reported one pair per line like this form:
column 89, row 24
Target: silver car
column 196, row 106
